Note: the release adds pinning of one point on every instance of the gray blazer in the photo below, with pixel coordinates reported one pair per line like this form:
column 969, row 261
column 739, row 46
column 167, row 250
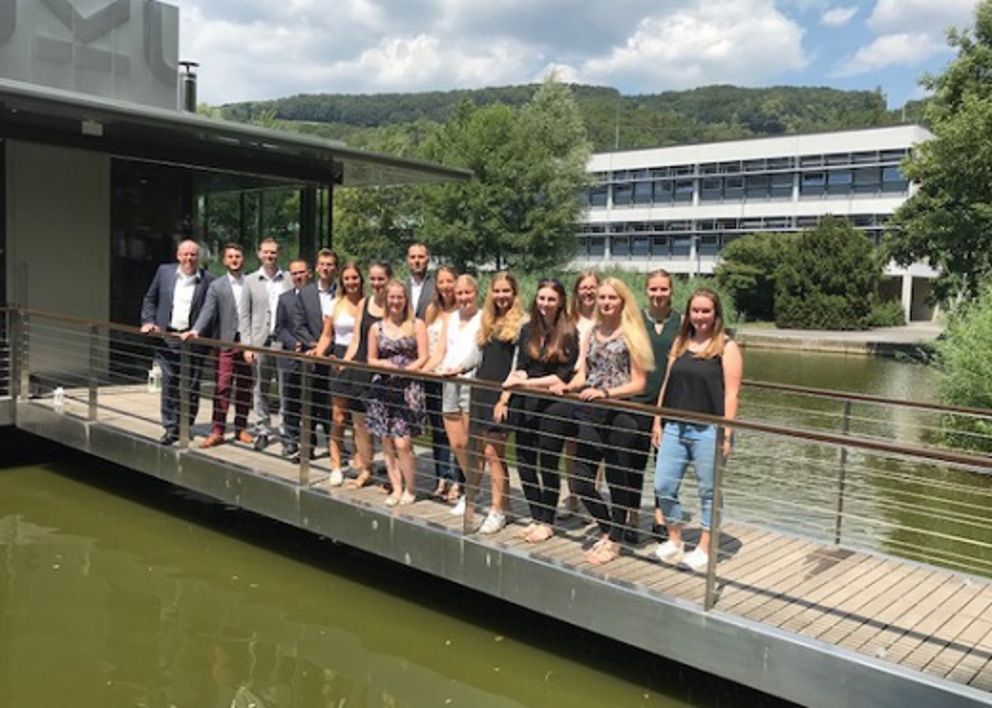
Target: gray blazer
column 219, row 315
column 426, row 295
column 256, row 315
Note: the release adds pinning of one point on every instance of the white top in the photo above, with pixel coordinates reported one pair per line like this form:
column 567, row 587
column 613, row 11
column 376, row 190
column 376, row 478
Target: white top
column 461, row 351
column 182, row 299
column 434, row 332
column 416, row 287
column 326, row 300
column 275, row 289
column 344, row 326
column 238, row 286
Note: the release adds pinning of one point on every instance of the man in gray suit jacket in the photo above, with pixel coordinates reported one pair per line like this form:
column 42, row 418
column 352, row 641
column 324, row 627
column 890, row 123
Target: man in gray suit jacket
column 259, row 303
column 220, row 315
column 420, row 286
column 171, row 304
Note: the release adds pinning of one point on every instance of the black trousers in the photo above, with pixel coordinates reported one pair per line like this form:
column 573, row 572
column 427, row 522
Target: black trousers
column 541, row 427
column 320, row 410
column 168, row 358
column 621, row 441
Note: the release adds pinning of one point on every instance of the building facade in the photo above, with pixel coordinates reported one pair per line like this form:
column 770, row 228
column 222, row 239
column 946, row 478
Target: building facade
column 677, row 207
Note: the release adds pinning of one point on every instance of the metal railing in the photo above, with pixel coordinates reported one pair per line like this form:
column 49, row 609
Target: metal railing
column 836, row 480
column 5, row 355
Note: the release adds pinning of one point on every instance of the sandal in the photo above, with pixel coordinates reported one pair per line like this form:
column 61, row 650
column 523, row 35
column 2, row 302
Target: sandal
column 540, row 534
column 454, row 493
column 392, row 500
column 362, row 480
column 527, row 530
column 440, row 491
column 603, row 552
column 407, row 498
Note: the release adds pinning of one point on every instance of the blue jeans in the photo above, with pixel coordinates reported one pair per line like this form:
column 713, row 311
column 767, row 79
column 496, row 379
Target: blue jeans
column 682, row 443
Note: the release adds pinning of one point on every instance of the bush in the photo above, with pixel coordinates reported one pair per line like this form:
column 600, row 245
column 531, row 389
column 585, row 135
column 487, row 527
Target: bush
column 964, row 354
column 747, row 271
column 827, row 279
column 887, row 314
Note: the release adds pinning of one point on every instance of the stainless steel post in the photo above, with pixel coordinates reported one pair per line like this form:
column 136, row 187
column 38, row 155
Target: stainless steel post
column 306, row 386
column 93, row 375
column 185, row 372
column 710, row 598
column 842, row 474
column 24, row 356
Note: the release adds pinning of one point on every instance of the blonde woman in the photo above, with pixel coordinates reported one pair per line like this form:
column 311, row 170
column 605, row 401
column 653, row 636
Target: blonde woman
column 457, row 356
column 339, row 328
column 615, row 365
column 704, row 376
column 582, row 310
column 396, row 409
column 502, row 317
column 446, row 471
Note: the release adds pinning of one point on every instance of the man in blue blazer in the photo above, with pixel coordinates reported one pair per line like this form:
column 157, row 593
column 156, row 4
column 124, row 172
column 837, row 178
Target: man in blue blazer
column 172, row 304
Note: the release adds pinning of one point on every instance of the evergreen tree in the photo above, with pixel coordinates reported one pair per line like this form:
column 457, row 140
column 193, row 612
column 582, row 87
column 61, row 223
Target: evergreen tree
column 828, row 278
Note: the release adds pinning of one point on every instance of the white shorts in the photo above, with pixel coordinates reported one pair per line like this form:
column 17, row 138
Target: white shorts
column 454, row 398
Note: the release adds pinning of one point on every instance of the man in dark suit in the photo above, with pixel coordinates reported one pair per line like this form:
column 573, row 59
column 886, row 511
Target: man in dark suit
column 171, row 304
column 420, row 286
column 314, row 303
column 220, row 315
column 285, row 332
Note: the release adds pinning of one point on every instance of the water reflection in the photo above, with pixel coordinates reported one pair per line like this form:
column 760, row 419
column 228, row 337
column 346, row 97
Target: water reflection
column 139, row 601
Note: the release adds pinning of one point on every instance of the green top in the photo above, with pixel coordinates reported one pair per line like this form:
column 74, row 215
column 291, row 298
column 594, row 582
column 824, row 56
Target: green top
column 661, row 342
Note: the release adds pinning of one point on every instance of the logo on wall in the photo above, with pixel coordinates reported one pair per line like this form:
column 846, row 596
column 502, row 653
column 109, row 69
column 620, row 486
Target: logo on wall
column 76, row 48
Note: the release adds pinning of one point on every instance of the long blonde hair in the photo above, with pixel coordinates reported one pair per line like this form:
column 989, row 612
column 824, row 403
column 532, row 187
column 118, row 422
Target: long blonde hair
column 503, row 327
column 436, row 306
column 717, row 340
column 635, row 336
column 394, row 284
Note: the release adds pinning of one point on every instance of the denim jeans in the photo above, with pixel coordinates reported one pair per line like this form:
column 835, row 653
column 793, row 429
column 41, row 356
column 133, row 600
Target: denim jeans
column 682, row 443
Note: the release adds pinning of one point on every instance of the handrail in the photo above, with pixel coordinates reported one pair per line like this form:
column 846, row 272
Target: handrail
column 866, row 398
column 842, row 441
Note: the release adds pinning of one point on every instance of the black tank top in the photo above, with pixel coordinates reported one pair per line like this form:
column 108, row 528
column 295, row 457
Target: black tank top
column 368, row 319
column 695, row 384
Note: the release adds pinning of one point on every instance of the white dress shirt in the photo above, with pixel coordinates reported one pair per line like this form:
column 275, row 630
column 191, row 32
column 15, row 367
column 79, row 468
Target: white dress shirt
column 275, row 289
column 326, row 300
column 237, row 286
column 182, row 300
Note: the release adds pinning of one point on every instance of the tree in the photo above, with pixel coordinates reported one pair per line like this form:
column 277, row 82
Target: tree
column 522, row 206
column 828, row 278
column 948, row 221
column 747, row 271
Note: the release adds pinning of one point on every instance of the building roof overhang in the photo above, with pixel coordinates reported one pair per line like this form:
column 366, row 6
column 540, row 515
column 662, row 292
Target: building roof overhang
column 43, row 114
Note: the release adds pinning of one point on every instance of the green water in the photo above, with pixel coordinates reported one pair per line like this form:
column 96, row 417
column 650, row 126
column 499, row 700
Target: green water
column 116, row 590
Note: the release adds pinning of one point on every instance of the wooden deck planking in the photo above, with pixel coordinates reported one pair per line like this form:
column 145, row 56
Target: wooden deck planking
column 924, row 618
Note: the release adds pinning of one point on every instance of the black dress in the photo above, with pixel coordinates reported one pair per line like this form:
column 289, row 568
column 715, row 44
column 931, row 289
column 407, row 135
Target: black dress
column 495, row 365
column 359, row 381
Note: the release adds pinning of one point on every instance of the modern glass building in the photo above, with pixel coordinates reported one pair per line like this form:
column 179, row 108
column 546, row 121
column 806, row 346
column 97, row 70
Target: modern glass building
column 677, row 207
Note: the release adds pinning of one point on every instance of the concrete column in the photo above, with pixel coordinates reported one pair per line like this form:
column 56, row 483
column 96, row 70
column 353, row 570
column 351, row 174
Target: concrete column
column 907, row 295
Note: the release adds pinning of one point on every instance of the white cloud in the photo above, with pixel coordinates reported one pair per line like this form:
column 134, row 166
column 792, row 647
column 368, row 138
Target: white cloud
column 702, row 42
column 838, row 16
column 930, row 16
column 890, row 50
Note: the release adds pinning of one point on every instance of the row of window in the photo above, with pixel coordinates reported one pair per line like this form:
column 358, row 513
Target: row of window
column 769, row 164
column 646, row 246
column 744, row 224
column 860, row 181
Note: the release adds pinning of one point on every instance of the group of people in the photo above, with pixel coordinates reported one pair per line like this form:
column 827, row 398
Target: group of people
column 546, row 369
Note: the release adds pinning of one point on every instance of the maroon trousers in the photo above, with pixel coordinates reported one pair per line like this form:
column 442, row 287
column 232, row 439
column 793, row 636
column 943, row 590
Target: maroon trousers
column 232, row 372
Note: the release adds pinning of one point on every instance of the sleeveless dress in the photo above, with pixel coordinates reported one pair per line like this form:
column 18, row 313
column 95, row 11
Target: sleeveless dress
column 396, row 405
column 358, row 388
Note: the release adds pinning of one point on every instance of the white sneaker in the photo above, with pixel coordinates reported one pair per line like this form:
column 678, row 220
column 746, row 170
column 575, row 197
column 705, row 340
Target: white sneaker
column 494, row 521
column 697, row 560
column 336, row 478
column 459, row 508
column 669, row 552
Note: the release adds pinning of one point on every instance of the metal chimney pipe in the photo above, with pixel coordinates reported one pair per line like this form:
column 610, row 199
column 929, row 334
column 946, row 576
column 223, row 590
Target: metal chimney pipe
column 187, row 96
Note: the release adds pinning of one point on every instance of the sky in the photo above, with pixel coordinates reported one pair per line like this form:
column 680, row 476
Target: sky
column 258, row 49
